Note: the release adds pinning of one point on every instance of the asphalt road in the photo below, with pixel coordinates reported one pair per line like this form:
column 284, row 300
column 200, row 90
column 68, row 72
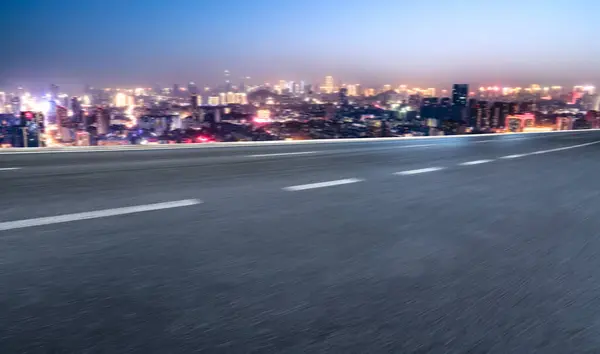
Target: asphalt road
column 486, row 244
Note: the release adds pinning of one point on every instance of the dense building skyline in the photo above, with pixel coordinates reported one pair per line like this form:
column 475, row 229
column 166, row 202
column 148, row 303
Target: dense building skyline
column 144, row 42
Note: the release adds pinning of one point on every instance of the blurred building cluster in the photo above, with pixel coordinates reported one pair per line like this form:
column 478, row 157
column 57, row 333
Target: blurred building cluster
column 285, row 110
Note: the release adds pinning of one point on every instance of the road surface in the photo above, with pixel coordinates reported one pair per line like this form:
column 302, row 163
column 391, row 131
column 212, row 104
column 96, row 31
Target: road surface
column 454, row 245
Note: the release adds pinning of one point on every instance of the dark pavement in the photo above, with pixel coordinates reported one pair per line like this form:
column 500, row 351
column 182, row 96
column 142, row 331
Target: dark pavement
column 502, row 256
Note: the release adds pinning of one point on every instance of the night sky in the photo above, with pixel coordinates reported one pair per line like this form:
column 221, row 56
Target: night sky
column 420, row 43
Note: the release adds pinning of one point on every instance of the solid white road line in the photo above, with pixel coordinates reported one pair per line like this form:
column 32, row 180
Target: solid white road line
column 516, row 156
column 338, row 182
column 476, row 162
column 285, row 154
column 9, row 168
column 422, row 170
column 19, row 224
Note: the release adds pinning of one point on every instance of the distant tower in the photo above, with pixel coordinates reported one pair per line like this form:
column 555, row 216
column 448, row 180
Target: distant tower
column 329, row 85
column 16, row 105
column 344, row 96
column 460, row 94
column 192, row 88
column 194, row 102
column 77, row 111
column 227, row 80
column 54, row 91
column 2, row 102
column 102, row 121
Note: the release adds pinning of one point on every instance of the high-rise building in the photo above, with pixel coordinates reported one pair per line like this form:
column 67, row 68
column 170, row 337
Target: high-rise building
column 329, row 85
column 344, row 96
column 213, row 100
column 295, row 88
column 283, row 86
column 102, row 121
column 460, row 94
column 227, row 76
column 120, row 100
column 176, row 90
column 429, row 108
column 241, row 98
column 223, row 98
column 54, row 91
column 430, row 92
column 192, row 88
column 445, row 109
column 2, row 102
column 15, row 103
column 231, row 98
column 194, row 102
column 76, row 108
column 498, row 114
column 483, row 114
column 352, row 90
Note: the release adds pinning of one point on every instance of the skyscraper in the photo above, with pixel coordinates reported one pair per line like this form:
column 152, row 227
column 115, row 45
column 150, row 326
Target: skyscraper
column 329, row 85
column 102, row 121
column 227, row 80
column 460, row 93
column 352, row 90
column 344, row 96
column 54, row 90
column 194, row 102
column 120, row 100
column 76, row 108
column 2, row 102
column 429, row 108
column 231, row 98
column 192, row 88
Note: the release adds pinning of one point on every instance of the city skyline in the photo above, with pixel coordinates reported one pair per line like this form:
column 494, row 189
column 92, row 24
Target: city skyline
column 431, row 44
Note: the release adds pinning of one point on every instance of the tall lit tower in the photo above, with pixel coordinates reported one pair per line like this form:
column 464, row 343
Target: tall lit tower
column 2, row 102
column 227, row 80
column 54, row 90
column 328, row 86
column 460, row 94
column 192, row 88
column 352, row 90
column 120, row 100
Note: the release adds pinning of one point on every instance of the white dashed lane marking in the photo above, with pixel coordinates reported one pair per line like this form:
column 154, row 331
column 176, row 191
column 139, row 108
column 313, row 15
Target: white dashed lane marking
column 564, row 148
column 19, row 224
column 421, row 170
column 338, row 182
column 476, row 162
column 513, row 156
column 9, row 168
